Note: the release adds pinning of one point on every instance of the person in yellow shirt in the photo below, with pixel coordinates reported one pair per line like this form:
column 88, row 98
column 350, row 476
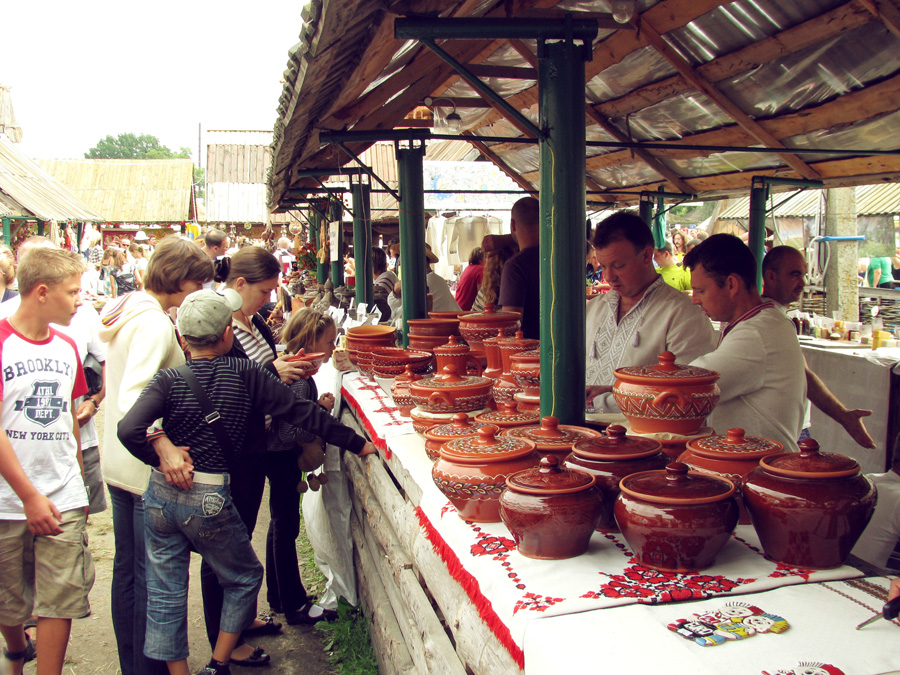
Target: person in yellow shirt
column 672, row 273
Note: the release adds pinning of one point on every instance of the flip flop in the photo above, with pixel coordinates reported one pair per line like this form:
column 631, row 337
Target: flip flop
column 257, row 659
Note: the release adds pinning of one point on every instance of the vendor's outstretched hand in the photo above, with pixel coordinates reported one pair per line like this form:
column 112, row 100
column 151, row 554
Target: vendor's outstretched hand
column 852, row 422
column 368, row 449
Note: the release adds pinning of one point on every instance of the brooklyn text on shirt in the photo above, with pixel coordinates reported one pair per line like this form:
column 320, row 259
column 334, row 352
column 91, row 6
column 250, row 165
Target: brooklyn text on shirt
column 20, row 368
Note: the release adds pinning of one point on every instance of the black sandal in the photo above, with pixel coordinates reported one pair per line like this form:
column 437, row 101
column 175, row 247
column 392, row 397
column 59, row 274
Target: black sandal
column 270, row 627
column 257, row 659
column 302, row 616
column 26, row 655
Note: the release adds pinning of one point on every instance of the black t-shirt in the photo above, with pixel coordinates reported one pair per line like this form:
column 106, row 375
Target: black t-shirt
column 520, row 286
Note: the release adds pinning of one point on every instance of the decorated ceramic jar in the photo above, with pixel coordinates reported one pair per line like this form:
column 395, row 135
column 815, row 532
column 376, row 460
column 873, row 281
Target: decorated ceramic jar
column 433, row 327
column 505, row 387
column 400, row 391
column 478, row 326
column 551, row 437
column 525, row 367
column 451, row 392
column 809, row 508
column 422, row 420
column 676, row 520
column 392, row 361
column 491, row 346
column 472, row 472
column 551, row 511
column 507, row 415
column 457, row 353
column 462, row 426
column 612, row 457
column 666, row 397
column 732, row 456
column 365, row 338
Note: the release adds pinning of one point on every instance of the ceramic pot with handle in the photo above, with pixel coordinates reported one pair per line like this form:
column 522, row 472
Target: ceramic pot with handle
column 551, row 437
column 507, row 415
column 450, row 392
column 462, row 426
column 400, row 391
column 456, row 353
column 477, row 326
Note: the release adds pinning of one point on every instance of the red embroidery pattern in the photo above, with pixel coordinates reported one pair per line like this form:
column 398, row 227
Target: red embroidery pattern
column 490, row 545
column 535, row 603
column 783, row 570
column 652, row 586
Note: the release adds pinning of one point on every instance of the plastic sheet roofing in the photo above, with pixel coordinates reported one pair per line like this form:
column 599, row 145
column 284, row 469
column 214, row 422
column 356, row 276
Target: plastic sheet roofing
column 806, row 74
column 871, row 200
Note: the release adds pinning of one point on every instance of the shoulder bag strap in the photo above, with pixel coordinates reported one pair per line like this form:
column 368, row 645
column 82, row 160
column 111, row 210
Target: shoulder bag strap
column 210, row 414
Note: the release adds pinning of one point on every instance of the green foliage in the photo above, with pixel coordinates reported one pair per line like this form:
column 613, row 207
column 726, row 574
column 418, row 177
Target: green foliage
column 130, row 146
column 348, row 641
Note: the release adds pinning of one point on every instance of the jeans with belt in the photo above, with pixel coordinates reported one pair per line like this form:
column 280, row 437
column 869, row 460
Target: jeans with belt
column 203, row 519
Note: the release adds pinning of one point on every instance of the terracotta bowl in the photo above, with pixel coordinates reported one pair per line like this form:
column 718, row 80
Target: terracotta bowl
column 448, row 315
column 479, row 326
column 666, row 397
column 551, row 511
column 450, row 392
column 365, row 363
column 372, row 336
column 314, row 358
column 551, row 437
column 676, row 520
column 422, row 420
column 392, row 361
column 462, row 426
column 427, row 343
column 809, row 508
column 433, row 327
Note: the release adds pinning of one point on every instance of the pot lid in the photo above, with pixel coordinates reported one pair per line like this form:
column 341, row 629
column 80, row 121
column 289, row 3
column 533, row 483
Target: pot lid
column 616, row 445
column 519, row 342
column 408, row 375
column 453, row 346
column 810, row 463
column 551, row 433
column 460, row 427
column 490, row 315
column 450, row 379
column 551, row 478
column 529, row 356
column 667, row 369
column 507, row 413
column 487, row 446
column 734, row 445
column 496, row 339
column 676, row 484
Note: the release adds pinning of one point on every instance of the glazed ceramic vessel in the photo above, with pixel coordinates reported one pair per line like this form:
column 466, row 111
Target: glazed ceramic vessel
column 505, row 387
column 433, row 327
column 457, row 353
column 507, row 416
column 809, row 508
column 400, row 391
column 732, row 456
column 551, row 511
column 472, row 472
column 422, row 421
column 365, row 338
column 676, row 520
column 461, row 427
column 315, row 359
column 525, row 367
column 451, row 392
column 427, row 343
column 478, row 326
column 551, row 437
column 666, row 397
column 491, row 346
column 392, row 361
column 611, row 458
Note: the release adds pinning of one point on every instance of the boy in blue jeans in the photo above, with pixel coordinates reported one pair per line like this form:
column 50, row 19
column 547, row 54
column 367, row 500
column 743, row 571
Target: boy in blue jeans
column 188, row 503
column 45, row 565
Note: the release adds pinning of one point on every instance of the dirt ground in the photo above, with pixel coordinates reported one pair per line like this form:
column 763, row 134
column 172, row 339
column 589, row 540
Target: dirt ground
column 92, row 648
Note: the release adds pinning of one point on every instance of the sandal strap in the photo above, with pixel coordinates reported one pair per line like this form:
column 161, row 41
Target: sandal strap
column 24, row 654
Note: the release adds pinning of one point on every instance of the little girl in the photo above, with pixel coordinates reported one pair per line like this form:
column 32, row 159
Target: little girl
column 313, row 332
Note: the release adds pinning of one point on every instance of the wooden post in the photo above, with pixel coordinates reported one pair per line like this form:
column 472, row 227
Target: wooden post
column 841, row 288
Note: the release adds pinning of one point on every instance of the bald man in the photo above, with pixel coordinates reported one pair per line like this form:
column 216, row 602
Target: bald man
column 784, row 277
column 520, row 283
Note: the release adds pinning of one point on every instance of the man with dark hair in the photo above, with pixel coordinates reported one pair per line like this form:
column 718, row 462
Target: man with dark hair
column 784, row 274
column 520, row 283
column 761, row 370
column 641, row 316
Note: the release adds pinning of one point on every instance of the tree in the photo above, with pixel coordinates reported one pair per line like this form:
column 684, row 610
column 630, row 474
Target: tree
column 130, row 146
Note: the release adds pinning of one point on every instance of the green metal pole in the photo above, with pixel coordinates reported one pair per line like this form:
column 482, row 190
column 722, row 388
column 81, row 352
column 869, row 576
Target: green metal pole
column 319, row 211
column 362, row 241
column 757, row 239
column 659, row 223
column 7, row 231
column 336, row 213
column 561, row 98
column 645, row 210
column 412, row 234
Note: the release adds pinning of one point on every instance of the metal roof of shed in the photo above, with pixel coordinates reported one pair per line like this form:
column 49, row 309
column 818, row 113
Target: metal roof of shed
column 870, row 200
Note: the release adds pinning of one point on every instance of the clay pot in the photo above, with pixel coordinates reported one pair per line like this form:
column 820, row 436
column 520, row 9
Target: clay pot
column 491, row 346
column 526, row 402
column 809, row 508
column 365, row 338
column 472, row 472
column 675, row 520
column 505, row 386
column 448, row 315
column 666, row 397
column 460, row 427
column 427, row 343
column 392, row 361
column 422, row 421
column 610, row 458
column 551, row 511
column 525, row 367
column 450, row 392
column 551, row 437
column 458, row 354
column 478, row 326
column 732, row 456
column 316, row 359
column 433, row 327
column 400, row 391
column 507, row 416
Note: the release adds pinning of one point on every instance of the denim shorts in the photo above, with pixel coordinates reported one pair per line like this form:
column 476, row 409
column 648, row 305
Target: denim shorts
column 202, row 519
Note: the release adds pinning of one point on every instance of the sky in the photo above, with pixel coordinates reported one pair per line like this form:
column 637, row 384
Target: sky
column 80, row 71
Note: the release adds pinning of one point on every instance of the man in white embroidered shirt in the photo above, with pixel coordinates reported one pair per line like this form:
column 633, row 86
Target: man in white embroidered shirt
column 641, row 316
column 762, row 371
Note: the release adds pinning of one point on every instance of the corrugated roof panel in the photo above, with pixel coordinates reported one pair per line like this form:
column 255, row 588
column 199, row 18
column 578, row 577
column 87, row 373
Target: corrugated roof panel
column 870, row 200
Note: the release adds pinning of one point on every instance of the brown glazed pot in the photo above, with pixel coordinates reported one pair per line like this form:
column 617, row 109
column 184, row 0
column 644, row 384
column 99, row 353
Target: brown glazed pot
column 666, row 397
column 460, row 427
column 400, row 391
column 507, row 416
column 551, row 437
column 455, row 314
column 433, row 327
column 423, row 421
column 479, row 326
column 551, row 511
column 450, row 392
column 675, row 520
column 526, row 402
column 809, row 508
column 612, row 457
column 732, row 456
column 525, row 367
column 471, row 472
column 456, row 352
column 491, row 346
column 392, row 361
column 505, row 387
column 366, row 338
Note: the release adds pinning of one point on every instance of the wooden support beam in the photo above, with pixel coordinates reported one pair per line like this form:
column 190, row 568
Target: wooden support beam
column 523, row 50
column 498, row 161
column 885, row 10
column 732, row 109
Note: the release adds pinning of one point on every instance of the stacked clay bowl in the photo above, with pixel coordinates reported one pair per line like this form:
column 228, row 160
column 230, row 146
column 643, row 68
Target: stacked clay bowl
column 472, row 472
column 448, row 315
column 423, row 420
column 478, row 326
column 461, row 427
column 392, row 361
column 551, row 437
column 366, row 338
column 451, row 392
column 666, row 397
column 426, row 334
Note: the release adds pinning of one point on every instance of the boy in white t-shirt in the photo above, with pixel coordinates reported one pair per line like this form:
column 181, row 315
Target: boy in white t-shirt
column 45, row 567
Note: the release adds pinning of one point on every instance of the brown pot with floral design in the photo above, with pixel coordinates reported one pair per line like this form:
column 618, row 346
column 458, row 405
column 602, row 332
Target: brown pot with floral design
column 462, row 426
column 551, row 437
column 400, row 391
column 507, row 416
column 451, row 392
column 457, row 353
column 505, row 387
column 478, row 326
column 422, row 421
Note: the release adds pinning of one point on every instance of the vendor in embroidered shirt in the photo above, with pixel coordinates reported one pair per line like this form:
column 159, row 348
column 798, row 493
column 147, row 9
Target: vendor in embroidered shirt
column 641, row 317
column 762, row 371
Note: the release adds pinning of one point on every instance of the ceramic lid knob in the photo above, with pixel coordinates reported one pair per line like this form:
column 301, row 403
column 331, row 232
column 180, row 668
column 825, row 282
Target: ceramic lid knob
column 486, row 435
column 735, row 436
column 461, row 419
column 615, row 431
column 676, row 472
column 666, row 361
column 809, row 447
column 550, row 464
